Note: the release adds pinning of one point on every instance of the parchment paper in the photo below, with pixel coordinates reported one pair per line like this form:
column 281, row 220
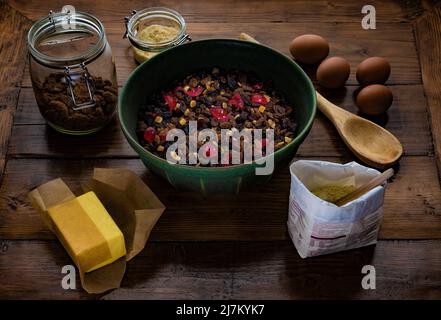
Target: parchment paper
column 130, row 202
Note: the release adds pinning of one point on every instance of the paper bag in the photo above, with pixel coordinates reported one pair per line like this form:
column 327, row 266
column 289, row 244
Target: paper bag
column 318, row 227
column 132, row 205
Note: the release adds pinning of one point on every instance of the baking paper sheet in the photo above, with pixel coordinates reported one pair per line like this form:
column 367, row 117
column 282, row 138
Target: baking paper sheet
column 130, row 202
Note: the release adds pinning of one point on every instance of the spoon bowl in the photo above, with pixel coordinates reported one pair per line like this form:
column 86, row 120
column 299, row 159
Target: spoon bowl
column 371, row 143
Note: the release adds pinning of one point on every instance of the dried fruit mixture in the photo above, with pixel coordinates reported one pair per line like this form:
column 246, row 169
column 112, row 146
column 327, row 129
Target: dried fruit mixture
column 220, row 99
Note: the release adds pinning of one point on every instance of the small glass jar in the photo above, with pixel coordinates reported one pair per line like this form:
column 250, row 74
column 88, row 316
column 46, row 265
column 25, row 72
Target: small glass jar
column 73, row 72
column 156, row 16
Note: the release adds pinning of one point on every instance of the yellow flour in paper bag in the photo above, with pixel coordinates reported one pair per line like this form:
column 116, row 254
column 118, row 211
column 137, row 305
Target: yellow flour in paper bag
column 332, row 192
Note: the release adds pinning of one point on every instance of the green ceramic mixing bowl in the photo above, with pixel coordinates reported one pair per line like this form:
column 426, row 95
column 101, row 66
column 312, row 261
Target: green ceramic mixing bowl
column 175, row 63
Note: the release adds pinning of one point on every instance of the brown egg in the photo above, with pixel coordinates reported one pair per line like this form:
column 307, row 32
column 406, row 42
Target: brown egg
column 333, row 72
column 309, row 48
column 373, row 70
column 374, row 99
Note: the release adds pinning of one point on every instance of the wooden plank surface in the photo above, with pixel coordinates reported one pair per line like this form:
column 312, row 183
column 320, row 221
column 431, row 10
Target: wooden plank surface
column 273, row 11
column 428, row 32
column 411, row 210
column 237, row 245
column 228, row 270
column 32, row 138
column 348, row 40
column 12, row 62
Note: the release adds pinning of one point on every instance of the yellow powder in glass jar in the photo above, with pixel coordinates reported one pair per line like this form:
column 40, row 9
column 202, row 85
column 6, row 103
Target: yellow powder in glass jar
column 154, row 33
column 332, row 192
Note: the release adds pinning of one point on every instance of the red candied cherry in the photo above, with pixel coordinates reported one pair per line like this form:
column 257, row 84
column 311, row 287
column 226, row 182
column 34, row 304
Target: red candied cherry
column 219, row 114
column 236, row 100
column 171, row 102
column 194, row 92
column 258, row 99
column 149, row 134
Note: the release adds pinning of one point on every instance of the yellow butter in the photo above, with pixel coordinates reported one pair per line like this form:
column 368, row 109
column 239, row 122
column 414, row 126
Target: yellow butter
column 88, row 232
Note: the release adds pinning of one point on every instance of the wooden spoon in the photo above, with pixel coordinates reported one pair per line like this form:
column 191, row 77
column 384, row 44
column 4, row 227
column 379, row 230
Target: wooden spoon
column 371, row 143
column 375, row 182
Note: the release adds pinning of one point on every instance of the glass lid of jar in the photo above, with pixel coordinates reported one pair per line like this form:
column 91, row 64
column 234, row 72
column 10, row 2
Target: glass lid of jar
column 141, row 19
column 66, row 39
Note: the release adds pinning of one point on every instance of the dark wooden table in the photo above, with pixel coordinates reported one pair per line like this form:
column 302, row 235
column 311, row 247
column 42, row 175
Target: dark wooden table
column 234, row 246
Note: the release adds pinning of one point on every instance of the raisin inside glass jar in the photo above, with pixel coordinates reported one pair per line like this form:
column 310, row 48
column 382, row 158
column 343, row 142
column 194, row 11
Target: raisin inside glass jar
column 73, row 72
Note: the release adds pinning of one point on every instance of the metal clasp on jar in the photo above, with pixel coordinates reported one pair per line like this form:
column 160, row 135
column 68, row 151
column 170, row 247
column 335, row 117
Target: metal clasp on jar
column 126, row 22
column 89, row 85
column 186, row 37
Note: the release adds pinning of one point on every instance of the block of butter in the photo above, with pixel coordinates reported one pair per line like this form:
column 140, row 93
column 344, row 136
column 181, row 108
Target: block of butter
column 103, row 228
column 87, row 232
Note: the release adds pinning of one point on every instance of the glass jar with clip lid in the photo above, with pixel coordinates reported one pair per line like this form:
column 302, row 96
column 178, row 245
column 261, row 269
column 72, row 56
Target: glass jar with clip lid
column 73, row 72
column 153, row 30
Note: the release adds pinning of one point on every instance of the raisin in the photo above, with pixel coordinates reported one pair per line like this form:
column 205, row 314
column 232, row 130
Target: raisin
column 219, row 99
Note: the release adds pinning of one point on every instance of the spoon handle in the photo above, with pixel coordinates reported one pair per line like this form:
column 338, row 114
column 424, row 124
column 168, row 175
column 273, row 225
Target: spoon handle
column 375, row 182
column 334, row 113
column 246, row 37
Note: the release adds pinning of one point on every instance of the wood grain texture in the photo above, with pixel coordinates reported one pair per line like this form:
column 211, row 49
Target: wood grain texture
column 225, row 270
column 32, row 138
column 274, row 11
column 412, row 209
column 234, row 246
column 12, row 52
column 348, row 40
column 428, row 39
